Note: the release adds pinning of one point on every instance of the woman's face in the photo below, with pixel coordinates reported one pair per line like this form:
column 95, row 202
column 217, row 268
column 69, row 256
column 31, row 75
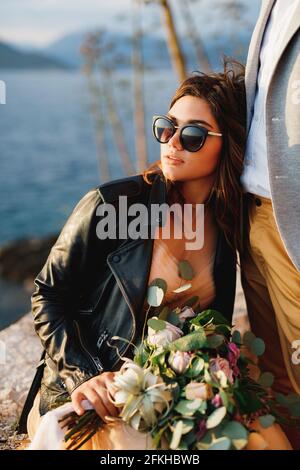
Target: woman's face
column 192, row 165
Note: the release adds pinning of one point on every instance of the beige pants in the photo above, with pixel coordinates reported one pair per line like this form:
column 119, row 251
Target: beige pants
column 272, row 289
column 33, row 417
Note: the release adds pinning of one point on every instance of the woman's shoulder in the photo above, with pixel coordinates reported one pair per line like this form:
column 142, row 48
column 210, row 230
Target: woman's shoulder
column 129, row 186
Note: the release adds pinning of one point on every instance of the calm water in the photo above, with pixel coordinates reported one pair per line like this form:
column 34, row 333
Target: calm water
column 48, row 154
column 47, row 148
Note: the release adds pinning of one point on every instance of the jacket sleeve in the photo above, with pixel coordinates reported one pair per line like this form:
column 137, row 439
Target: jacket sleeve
column 55, row 285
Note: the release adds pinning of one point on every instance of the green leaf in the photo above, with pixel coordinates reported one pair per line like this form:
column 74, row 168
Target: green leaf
column 258, row 347
column 224, row 398
column 197, row 365
column 177, row 433
column 294, row 409
column 192, row 301
column 214, row 341
column 156, row 324
column 247, row 400
column 190, row 342
column 185, row 270
column 182, row 288
column 266, row 379
column 223, row 443
column 248, row 338
column 236, row 337
column 188, row 407
column 164, row 313
column 267, row 420
column 208, row 315
column 237, row 433
column 216, row 417
column 155, row 296
column 173, row 318
column 159, row 283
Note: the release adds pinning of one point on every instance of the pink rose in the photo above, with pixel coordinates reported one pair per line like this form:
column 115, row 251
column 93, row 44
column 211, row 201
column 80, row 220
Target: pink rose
column 186, row 312
column 179, row 361
column 163, row 337
column 220, row 364
column 217, row 400
column 233, row 356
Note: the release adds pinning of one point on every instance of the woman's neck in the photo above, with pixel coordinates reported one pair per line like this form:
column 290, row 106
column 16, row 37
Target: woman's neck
column 196, row 191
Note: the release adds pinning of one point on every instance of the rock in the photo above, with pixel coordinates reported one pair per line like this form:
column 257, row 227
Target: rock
column 22, row 260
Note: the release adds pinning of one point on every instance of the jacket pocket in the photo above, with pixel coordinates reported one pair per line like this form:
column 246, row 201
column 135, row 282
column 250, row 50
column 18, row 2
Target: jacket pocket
column 88, row 303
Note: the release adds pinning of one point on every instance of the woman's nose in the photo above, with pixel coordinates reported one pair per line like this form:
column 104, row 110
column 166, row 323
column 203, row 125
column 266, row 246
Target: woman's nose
column 175, row 141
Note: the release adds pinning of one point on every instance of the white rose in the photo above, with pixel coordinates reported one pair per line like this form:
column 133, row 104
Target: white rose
column 186, row 312
column 163, row 337
column 179, row 361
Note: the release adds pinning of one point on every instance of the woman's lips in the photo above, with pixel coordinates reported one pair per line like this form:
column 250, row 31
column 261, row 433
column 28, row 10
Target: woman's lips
column 173, row 160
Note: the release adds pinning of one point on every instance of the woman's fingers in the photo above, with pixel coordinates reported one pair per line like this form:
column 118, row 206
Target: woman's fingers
column 76, row 402
column 102, row 390
column 96, row 400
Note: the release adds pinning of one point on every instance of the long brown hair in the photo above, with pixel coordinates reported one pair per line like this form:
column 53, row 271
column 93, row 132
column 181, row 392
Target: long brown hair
column 225, row 93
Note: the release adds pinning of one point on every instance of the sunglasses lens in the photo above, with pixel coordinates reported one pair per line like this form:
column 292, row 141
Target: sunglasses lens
column 163, row 130
column 193, row 138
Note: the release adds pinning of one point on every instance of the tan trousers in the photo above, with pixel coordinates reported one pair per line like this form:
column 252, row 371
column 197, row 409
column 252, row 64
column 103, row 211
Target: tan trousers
column 271, row 285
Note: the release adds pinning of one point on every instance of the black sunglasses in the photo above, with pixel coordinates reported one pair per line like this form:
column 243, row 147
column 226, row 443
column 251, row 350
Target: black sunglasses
column 192, row 136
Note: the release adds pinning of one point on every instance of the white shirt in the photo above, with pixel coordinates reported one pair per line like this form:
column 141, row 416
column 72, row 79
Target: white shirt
column 255, row 177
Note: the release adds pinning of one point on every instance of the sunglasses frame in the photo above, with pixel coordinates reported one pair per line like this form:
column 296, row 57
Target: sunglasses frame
column 198, row 126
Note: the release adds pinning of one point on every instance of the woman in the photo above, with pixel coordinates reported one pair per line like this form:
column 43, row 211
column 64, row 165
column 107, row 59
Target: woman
column 92, row 289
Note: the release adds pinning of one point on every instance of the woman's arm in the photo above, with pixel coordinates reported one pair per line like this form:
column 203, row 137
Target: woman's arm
column 56, row 284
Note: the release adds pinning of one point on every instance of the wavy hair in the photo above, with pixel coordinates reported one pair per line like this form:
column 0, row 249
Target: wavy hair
column 225, row 93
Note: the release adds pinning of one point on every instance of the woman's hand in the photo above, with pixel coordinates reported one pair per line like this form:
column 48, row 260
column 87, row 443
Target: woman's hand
column 95, row 391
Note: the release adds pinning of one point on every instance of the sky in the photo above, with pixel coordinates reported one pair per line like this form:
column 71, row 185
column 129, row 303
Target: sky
column 40, row 22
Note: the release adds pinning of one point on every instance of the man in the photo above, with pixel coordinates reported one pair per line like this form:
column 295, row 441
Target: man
column 271, row 179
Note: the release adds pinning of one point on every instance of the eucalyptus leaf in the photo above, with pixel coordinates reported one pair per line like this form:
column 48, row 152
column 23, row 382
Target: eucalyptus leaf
column 182, row 288
column 177, row 433
column 258, row 347
column 294, row 409
column 185, row 270
column 223, row 443
column 267, row 420
column 266, row 379
column 163, row 315
column 190, row 342
column 248, row 338
column 156, row 324
column 216, row 417
column 173, row 318
column 236, row 432
column 159, row 283
column 214, row 341
column 236, row 337
column 155, row 296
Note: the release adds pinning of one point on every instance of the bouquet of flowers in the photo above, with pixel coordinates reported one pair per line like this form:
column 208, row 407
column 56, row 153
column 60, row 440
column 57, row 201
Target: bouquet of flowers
column 189, row 383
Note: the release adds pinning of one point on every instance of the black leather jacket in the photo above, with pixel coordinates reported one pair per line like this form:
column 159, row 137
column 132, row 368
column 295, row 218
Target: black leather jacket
column 90, row 290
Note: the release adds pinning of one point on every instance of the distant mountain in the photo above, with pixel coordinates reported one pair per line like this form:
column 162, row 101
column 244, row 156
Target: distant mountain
column 155, row 51
column 13, row 58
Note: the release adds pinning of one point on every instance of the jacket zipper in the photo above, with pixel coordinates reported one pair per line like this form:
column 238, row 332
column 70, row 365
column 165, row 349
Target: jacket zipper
column 133, row 317
column 103, row 337
column 95, row 361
